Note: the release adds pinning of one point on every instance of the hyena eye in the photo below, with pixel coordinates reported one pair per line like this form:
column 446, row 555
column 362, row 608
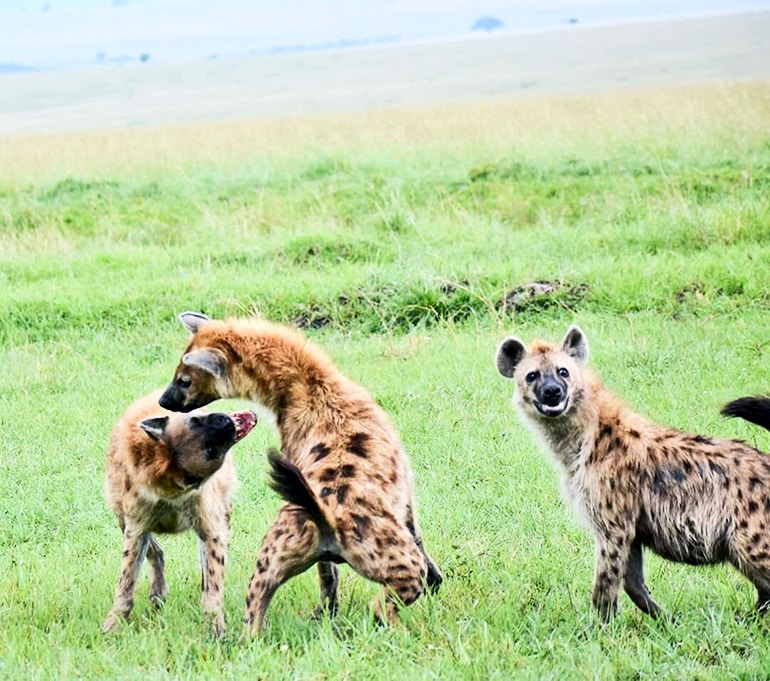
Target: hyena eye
column 531, row 377
column 562, row 372
column 184, row 381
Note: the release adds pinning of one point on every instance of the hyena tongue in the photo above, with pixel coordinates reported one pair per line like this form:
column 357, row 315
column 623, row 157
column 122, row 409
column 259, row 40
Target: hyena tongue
column 244, row 422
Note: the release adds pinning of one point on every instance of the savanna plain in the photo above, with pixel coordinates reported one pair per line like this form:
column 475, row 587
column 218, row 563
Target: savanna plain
column 405, row 243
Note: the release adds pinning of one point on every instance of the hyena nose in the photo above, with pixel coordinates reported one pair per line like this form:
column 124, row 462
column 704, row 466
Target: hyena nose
column 553, row 394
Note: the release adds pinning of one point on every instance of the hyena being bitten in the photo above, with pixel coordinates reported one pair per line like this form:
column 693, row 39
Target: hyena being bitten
column 342, row 470
column 689, row 498
column 170, row 472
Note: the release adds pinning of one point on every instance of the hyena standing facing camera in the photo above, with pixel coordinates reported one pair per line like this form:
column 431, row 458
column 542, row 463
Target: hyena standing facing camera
column 342, row 469
column 689, row 498
column 170, row 472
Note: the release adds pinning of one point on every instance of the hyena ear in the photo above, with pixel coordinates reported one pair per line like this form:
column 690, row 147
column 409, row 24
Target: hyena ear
column 155, row 427
column 192, row 321
column 509, row 354
column 208, row 360
column 575, row 344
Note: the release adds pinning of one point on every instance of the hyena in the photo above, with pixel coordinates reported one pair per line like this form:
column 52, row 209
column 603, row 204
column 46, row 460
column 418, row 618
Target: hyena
column 689, row 498
column 342, row 470
column 169, row 472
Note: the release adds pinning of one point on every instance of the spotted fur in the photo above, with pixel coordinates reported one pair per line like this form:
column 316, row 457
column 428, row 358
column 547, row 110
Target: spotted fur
column 342, row 469
column 689, row 498
column 169, row 472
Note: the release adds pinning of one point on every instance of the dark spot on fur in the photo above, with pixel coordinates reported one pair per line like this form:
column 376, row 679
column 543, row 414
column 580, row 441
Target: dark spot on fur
column 362, row 525
column 357, row 444
column 753, row 507
column 686, row 467
column 128, row 485
column 328, row 475
column 261, row 567
column 743, row 524
column 755, row 538
column 320, row 451
column 348, row 471
column 701, row 440
column 342, row 492
column 634, row 434
column 754, row 482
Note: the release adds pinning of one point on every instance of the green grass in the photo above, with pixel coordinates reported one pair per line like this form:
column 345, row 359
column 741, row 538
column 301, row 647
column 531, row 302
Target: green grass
column 648, row 213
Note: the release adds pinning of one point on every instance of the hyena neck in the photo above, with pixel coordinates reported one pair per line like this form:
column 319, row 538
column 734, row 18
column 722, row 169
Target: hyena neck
column 281, row 370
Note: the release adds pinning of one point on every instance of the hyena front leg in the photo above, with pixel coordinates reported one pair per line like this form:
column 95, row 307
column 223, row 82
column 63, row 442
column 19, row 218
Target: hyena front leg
column 289, row 548
column 634, row 582
column 212, row 545
column 612, row 553
column 158, row 587
column 134, row 550
column 328, row 577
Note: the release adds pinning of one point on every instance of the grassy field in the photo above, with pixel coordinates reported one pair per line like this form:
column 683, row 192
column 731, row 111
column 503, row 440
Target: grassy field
column 402, row 242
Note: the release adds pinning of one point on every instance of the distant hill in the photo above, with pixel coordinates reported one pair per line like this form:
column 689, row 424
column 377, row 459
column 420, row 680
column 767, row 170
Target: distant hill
column 487, row 24
column 16, row 68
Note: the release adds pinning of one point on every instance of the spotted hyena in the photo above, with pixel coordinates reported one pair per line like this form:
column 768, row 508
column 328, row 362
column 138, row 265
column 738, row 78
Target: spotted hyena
column 342, row 469
column 169, row 472
column 689, row 498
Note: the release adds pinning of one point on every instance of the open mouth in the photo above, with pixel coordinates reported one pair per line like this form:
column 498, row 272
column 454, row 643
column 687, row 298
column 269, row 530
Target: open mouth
column 244, row 422
column 552, row 411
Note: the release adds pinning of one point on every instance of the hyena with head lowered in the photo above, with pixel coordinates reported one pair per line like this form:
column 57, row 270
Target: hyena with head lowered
column 170, row 472
column 689, row 498
column 342, row 469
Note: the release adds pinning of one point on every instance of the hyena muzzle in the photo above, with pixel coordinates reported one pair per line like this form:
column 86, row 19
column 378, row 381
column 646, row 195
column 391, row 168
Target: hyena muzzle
column 168, row 473
column 689, row 498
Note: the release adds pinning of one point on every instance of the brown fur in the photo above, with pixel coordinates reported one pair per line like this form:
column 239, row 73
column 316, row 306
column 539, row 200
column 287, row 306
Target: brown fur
column 160, row 478
column 342, row 467
column 689, row 498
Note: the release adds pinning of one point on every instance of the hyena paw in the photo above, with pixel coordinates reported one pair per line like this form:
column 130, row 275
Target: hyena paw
column 324, row 610
column 606, row 610
column 218, row 626
column 158, row 595
column 111, row 623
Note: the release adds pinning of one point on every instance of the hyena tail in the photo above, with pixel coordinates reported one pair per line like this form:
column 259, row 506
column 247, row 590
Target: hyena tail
column 754, row 409
column 291, row 485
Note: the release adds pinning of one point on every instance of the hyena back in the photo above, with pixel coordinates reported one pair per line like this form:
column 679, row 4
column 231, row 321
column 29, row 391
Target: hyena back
column 342, row 469
column 691, row 499
column 169, row 473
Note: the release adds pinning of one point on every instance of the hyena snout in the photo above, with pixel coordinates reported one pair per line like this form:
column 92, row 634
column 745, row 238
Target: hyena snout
column 551, row 393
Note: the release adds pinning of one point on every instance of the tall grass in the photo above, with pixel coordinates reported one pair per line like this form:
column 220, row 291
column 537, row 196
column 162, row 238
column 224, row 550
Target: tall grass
column 403, row 241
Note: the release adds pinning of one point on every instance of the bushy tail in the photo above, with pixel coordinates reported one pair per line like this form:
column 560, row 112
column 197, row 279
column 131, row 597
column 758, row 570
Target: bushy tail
column 754, row 409
column 288, row 481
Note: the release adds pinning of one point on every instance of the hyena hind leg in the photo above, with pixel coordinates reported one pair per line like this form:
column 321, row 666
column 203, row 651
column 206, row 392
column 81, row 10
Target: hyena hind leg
column 289, row 548
column 634, row 583
column 403, row 572
column 157, row 561
column 759, row 576
column 328, row 577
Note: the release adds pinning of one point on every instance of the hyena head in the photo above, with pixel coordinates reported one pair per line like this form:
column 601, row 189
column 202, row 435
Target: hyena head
column 201, row 375
column 197, row 443
column 548, row 376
